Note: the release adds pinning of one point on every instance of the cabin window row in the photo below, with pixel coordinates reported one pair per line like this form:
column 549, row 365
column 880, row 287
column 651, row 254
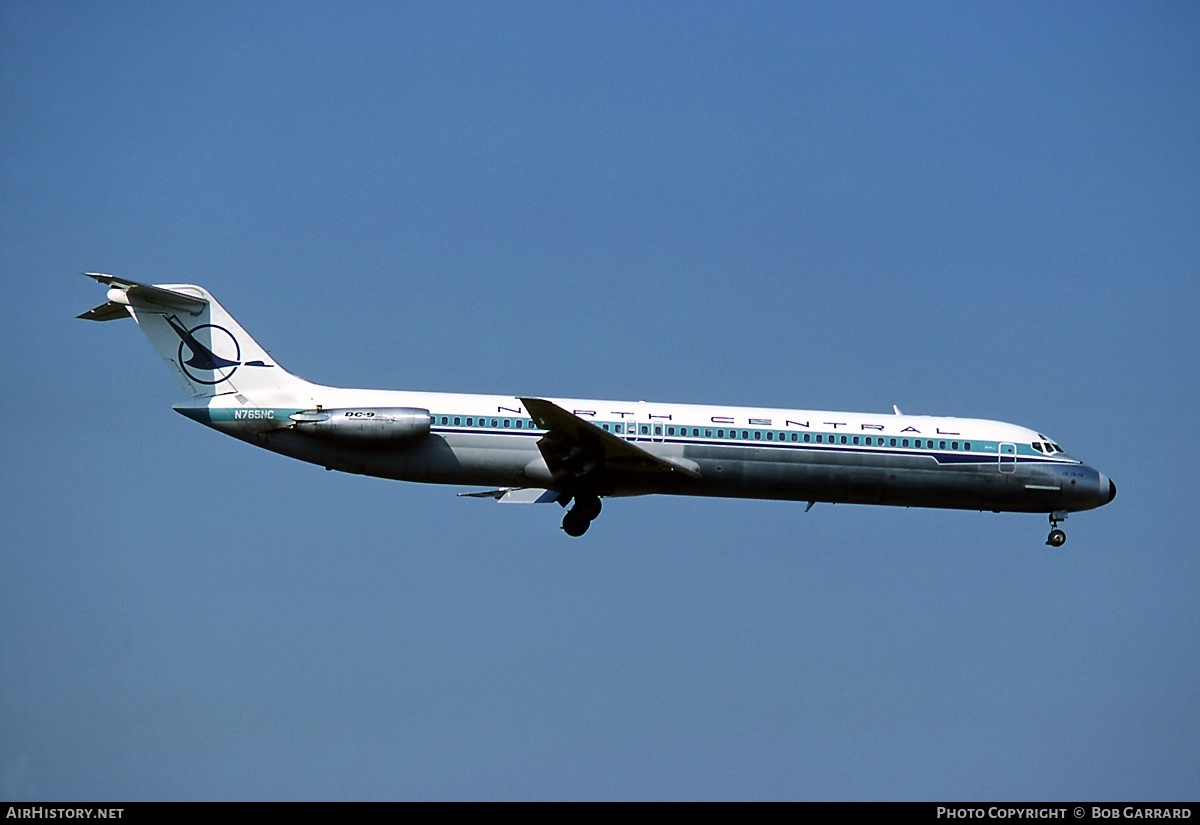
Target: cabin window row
column 729, row 435
column 481, row 421
column 817, row 438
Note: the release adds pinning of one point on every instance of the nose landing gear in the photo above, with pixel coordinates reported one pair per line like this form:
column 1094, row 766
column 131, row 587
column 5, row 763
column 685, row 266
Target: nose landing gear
column 1057, row 538
column 580, row 517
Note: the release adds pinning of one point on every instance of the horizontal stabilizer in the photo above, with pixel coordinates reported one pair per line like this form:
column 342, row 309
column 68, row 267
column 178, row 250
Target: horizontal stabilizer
column 143, row 294
column 108, row 311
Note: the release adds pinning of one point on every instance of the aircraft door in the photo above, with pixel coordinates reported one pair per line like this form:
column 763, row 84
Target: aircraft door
column 1008, row 458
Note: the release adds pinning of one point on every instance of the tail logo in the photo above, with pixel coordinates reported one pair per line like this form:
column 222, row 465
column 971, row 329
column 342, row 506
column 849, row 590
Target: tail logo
column 212, row 363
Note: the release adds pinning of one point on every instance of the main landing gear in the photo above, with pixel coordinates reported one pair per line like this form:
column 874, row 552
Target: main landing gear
column 580, row 517
column 1057, row 538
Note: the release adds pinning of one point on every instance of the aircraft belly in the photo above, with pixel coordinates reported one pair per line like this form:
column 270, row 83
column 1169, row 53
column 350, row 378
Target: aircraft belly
column 909, row 481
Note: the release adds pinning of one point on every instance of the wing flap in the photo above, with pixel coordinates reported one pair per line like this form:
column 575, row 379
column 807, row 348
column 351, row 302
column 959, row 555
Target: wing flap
column 517, row 495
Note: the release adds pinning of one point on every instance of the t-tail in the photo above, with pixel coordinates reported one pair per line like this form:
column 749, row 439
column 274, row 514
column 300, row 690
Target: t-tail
column 206, row 349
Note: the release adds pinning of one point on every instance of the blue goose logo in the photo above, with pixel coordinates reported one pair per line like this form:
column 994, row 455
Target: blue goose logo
column 216, row 362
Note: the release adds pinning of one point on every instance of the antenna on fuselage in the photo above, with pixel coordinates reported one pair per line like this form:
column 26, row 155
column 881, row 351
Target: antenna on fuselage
column 896, row 410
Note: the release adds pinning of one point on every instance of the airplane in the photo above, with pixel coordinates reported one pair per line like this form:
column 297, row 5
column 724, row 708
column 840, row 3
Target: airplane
column 576, row 452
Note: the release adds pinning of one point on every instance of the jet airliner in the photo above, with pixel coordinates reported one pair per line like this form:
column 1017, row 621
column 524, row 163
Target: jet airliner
column 576, row 452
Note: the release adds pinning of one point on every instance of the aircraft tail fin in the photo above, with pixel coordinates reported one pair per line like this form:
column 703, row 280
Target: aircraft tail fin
column 206, row 349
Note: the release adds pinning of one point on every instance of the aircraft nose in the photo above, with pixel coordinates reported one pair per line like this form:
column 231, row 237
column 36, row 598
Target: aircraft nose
column 1108, row 489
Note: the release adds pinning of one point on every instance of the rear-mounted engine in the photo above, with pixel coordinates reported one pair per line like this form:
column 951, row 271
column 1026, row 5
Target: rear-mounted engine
column 374, row 424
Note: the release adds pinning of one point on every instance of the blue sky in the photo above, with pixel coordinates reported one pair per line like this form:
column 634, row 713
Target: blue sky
column 986, row 210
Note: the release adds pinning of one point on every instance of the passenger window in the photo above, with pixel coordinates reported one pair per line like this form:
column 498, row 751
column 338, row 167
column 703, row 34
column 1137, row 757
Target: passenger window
column 758, row 435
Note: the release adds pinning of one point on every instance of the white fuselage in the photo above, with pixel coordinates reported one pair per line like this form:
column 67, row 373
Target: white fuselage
column 801, row 455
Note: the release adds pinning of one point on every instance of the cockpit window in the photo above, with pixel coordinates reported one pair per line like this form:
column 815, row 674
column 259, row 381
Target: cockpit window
column 1046, row 446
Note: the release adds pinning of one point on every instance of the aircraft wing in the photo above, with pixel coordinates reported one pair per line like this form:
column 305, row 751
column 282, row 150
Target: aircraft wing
column 577, row 448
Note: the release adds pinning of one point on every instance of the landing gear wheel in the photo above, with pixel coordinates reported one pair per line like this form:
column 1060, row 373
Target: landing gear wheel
column 1057, row 538
column 574, row 525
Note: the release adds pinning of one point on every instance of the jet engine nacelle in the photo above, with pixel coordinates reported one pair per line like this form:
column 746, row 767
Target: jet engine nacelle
column 365, row 424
